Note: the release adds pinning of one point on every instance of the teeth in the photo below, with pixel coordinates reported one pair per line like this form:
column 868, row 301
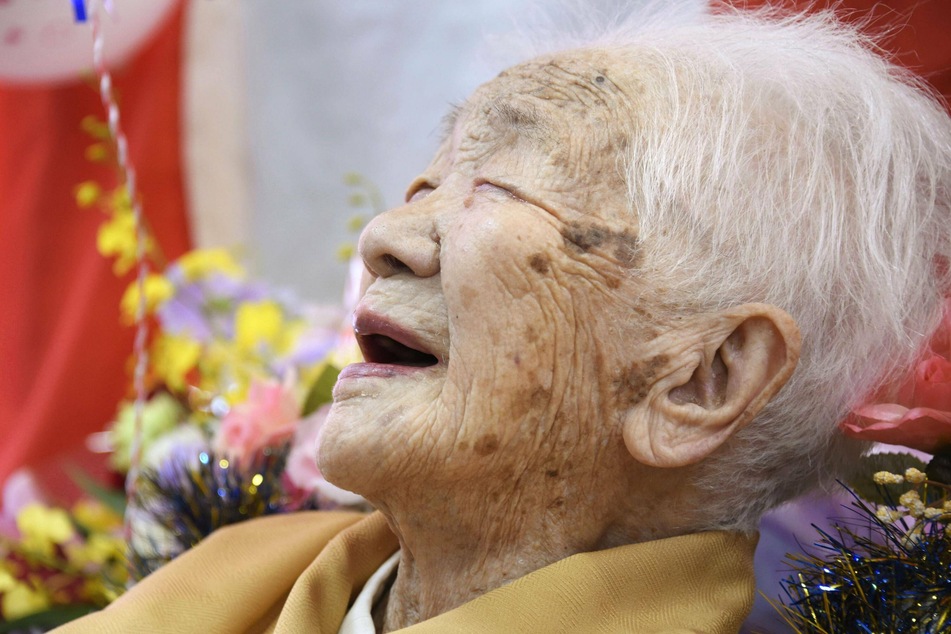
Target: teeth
column 383, row 349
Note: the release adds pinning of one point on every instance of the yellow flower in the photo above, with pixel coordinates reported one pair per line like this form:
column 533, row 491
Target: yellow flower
column 116, row 237
column 933, row 513
column 290, row 333
column 911, row 500
column 885, row 477
column 157, row 291
column 87, row 194
column 96, row 516
column 97, row 152
column 257, row 324
column 219, row 361
column 42, row 527
column 7, row 581
column 100, row 593
column 200, row 262
column 121, row 203
column 99, row 549
column 51, row 523
column 915, row 476
column 22, row 600
column 94, row 127
column 887, row 514
column 174, row 356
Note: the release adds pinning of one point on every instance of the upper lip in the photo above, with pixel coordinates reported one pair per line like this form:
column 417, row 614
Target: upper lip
column 383, row 341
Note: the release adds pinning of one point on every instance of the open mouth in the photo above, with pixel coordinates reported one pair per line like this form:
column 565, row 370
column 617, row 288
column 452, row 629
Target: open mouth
column 379, row 348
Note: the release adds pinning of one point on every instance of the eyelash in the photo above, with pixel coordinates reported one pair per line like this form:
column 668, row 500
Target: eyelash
column 423, row 187
column 426, row 189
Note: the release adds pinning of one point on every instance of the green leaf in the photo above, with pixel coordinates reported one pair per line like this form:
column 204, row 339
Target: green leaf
column 321, row 391
column 115, row 500
column 48, row 619
column 865, row 487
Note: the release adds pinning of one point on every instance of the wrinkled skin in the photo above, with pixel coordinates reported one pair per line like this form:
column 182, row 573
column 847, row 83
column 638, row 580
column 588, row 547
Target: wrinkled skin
column 514, row 262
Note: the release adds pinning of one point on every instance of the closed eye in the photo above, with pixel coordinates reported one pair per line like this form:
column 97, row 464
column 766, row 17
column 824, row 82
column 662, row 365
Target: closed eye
column 418, row 192
column 486, row 186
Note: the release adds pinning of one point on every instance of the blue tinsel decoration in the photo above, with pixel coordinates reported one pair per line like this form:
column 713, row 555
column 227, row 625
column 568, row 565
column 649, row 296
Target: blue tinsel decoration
column 873, row 577
column 189, row 499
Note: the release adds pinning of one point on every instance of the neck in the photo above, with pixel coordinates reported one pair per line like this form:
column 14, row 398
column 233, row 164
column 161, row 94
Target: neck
column 480, row 541
column 449, row 559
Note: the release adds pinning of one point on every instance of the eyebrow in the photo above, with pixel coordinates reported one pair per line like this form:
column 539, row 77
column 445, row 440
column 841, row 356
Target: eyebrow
column 449, row 121
column 524, row 120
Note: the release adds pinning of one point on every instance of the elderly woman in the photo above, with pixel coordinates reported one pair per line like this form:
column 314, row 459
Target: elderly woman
column 581, row 335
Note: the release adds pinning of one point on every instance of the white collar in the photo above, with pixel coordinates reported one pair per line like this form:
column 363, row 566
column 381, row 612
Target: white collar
column 359, row 618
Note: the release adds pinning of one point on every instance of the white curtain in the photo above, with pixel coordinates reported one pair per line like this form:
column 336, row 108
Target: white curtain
column 336, row 87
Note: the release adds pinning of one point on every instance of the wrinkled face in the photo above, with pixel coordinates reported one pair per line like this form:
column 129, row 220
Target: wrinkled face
column 503, row 324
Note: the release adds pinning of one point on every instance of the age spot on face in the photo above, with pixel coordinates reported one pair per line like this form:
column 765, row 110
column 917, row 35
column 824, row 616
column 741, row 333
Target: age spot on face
column 583, row 237
column 624, row 245
column 539, row 263
column 486, row 445
column 468, row 296
column 632, row 385
column 530, row 402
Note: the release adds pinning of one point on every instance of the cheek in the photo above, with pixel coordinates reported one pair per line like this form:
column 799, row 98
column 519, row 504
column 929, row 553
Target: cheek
column 501, row 282
column 512, row 327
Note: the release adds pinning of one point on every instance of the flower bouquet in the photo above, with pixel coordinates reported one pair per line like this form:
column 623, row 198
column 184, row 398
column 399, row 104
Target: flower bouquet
column 887, row 566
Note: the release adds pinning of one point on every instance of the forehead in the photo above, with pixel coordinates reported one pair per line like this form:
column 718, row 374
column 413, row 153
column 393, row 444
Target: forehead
column 580, row 85
column 560, row 122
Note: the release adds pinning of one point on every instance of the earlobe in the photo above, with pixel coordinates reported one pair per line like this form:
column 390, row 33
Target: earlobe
column 726, row 366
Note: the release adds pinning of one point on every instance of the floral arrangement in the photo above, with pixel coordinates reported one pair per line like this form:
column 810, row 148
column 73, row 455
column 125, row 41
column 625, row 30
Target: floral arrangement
column 57, row 564
column 240, row 379
column 916, row 414
column 237, row 384
column 887, row 567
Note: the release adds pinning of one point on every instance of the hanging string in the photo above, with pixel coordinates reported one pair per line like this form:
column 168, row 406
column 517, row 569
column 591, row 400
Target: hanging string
column 127, row 174
column 79, row 8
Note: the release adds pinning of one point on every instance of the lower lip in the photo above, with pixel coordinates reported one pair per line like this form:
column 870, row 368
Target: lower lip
column 382, row 370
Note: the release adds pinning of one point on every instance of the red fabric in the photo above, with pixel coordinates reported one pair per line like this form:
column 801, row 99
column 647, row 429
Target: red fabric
column 63, row 353
column 918, row 31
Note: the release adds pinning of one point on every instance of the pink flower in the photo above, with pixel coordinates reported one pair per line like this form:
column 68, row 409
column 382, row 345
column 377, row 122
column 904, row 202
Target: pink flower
column 19, row 491
column 268, row 417
column 920, row 414
column 302, row 469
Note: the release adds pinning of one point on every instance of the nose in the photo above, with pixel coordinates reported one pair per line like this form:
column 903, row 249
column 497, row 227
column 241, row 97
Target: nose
column 402, row 240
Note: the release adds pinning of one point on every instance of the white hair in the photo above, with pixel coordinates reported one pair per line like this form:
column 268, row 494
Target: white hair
column 781, row 159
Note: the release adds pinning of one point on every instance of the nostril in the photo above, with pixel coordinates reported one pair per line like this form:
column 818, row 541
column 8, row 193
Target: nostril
column 393, row 264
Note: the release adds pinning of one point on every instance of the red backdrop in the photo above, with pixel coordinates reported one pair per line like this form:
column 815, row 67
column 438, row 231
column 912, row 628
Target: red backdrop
column 920, row 31
column 63, row 354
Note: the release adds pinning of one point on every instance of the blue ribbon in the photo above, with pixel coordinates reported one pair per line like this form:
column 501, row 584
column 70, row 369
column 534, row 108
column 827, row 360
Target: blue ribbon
column 79, row 6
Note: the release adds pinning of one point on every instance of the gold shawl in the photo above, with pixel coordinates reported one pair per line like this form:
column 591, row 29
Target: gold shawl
column 298, row 573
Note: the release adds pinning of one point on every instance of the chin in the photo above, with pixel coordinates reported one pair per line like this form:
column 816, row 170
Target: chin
column 344, row 451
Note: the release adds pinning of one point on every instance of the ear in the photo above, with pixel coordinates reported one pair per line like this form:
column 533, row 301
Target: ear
column 712, row 376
